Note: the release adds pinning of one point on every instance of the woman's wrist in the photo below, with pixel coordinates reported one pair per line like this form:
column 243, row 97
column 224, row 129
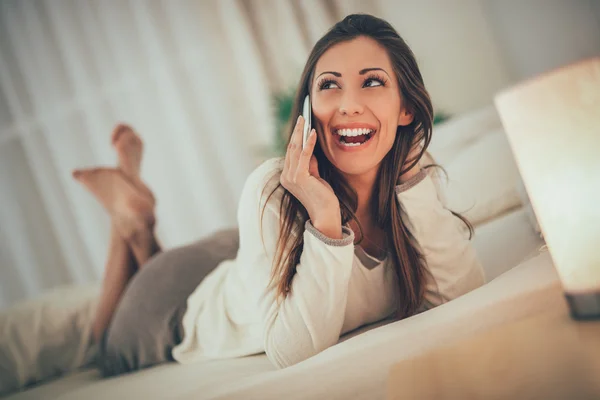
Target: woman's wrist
column 329, row 225
column 331, row 239
column 330, row 231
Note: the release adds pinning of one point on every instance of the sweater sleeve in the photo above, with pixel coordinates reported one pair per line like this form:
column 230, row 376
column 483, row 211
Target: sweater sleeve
column 310, row 318
column 451, row 259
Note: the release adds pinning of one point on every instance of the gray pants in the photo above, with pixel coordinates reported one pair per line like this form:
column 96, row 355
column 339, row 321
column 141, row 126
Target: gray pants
column 147, row 322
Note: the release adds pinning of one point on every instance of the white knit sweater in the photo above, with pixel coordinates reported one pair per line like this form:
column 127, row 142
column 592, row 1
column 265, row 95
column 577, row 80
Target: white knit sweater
column 337, row 287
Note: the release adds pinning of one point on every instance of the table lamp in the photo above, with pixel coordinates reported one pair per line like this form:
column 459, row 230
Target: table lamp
column 553, row 126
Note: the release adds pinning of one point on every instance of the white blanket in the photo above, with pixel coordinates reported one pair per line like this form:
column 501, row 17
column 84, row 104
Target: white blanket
column 356, row 368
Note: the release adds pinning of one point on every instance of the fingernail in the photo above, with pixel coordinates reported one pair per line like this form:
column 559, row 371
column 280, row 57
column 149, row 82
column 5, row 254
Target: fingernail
column 298, row 120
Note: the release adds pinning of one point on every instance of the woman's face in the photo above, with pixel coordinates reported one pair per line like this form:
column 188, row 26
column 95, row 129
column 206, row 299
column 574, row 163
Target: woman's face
column 356, row 105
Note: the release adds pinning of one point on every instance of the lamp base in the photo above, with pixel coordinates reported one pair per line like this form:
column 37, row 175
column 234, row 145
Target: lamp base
column 584, row 305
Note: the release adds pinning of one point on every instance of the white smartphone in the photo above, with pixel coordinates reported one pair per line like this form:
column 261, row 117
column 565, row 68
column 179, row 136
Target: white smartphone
column 306, row 114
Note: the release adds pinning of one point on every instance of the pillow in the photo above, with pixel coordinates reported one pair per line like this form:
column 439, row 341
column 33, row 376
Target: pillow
column 481, row 177
column 47, row 336
column 452, row 136
column 505, row 242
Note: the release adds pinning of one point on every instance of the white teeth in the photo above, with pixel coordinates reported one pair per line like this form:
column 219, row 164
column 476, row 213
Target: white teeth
column 354, row 132
column 352, row 144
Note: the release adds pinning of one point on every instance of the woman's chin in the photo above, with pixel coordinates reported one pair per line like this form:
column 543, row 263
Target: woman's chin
column 355, row 160
column 354, row 165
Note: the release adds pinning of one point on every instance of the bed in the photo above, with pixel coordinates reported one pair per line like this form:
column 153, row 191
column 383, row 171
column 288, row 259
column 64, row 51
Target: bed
column 521, row 281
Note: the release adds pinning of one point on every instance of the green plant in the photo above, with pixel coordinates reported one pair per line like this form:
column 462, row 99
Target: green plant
column 283, row 103
column 440, row 116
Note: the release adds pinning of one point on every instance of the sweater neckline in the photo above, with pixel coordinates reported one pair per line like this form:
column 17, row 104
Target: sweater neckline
column 368, row 261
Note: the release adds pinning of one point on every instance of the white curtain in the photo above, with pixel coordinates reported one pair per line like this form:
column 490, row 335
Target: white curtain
column 195, row 78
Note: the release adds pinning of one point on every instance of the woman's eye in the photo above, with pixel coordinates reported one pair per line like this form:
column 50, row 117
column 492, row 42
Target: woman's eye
column 328, row 85
column 372, row 82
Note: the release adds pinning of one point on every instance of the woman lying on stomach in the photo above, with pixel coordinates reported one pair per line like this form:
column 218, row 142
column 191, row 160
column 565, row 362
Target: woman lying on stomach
column 344, row 232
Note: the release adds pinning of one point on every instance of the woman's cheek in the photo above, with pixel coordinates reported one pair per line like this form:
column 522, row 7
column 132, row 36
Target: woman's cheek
column 385, row 105
column 322, row 115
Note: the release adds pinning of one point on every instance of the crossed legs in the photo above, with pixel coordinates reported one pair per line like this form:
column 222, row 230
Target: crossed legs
column 130, row 205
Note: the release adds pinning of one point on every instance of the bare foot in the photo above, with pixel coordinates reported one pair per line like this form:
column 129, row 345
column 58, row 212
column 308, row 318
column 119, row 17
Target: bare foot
column 131, row 210
column 129, row 148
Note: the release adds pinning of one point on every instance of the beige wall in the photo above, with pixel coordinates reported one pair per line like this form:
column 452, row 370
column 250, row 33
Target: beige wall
column 461, row 63
column 470, row 49
column 539, row 35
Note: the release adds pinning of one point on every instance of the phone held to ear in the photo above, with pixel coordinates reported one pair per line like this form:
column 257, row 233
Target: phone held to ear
column 306, row 114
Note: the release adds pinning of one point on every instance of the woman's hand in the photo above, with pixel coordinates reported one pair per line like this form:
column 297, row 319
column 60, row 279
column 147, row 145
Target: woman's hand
column 301, row 177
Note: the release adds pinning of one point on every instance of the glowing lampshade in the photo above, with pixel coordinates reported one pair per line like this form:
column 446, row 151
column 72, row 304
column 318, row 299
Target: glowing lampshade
column 553, row 126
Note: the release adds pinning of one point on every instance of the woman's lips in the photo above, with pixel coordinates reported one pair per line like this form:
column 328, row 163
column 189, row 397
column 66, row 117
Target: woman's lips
column 353, row 147
column 353, row 125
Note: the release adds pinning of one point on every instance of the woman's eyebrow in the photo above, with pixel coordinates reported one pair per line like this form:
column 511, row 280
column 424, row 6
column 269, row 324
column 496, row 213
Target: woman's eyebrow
column 331, row 72
column 365, row 70
column 361, row 72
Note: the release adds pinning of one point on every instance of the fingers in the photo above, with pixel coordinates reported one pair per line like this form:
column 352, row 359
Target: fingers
column 286, row 164
column 313, row 167
column 298, row 160
column 293, row 149
column 296, row 140
column 306, row 153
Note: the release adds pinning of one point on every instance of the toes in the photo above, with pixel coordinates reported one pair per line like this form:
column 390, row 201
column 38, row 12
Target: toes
column 132, row 140
column 125, row 139
column 118, row 131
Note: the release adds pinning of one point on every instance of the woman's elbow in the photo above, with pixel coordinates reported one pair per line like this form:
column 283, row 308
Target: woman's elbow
column 283, row 359
column 284, row 354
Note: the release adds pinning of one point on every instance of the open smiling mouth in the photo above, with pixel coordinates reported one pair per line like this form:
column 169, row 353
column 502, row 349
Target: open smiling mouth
column 354, row 137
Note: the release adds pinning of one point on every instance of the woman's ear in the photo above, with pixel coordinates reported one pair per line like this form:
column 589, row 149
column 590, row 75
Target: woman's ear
column 405, row 118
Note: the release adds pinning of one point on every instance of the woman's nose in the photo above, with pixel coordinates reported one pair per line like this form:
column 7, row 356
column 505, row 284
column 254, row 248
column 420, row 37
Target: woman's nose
column 351, row 105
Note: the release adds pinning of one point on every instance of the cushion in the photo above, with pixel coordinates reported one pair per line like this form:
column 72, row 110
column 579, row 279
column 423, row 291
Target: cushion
column 482, row 173
column 505, row 242
column 455, row 134
column 46, row 336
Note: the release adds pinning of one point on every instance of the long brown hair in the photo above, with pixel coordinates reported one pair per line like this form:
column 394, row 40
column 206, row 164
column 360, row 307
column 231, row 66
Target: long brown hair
column 408, row 261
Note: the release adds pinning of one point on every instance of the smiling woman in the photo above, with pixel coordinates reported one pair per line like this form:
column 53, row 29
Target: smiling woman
column 373, row 118
column 360, row 173
column 299, row 279
column 361, row 105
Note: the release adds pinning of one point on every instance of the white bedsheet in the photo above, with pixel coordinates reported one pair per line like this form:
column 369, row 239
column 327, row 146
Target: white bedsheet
column 357, row 367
